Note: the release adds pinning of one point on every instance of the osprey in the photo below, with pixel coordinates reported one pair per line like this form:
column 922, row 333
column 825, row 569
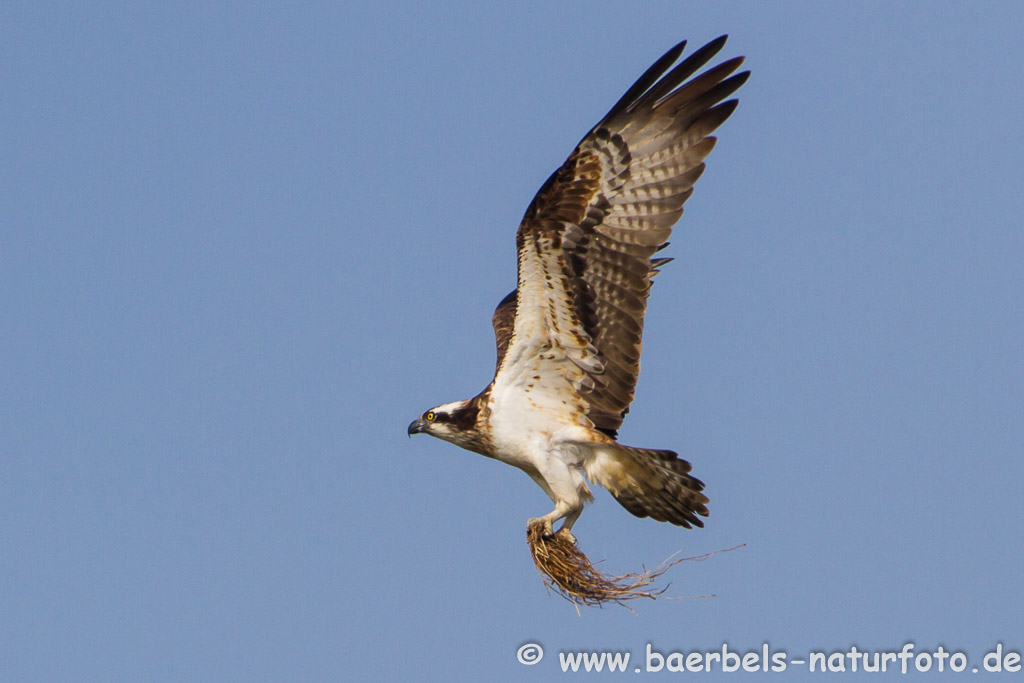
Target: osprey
column 569, row 336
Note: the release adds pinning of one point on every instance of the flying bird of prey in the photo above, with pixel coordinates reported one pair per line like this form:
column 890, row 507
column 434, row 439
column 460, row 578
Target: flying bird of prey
column 569, row 336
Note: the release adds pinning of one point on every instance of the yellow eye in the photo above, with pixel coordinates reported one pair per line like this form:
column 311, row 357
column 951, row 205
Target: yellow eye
column 431, row 416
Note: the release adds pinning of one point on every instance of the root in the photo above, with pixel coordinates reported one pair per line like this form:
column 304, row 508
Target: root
column 569, row 572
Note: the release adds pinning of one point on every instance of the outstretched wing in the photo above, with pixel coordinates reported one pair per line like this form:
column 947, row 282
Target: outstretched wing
column 587, row 241
column 503, row 321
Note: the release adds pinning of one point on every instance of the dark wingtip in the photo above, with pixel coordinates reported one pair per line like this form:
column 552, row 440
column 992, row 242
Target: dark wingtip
column 649, row 78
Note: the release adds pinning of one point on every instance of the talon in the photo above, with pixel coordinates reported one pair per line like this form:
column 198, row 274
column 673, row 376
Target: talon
column 568, row 535
column 546, row 529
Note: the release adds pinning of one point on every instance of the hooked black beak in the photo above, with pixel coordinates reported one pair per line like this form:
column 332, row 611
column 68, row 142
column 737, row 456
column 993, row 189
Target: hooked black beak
column 417, row 427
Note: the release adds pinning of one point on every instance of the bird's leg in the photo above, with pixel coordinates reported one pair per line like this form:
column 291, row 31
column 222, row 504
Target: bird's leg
column 570, row 519
column 563, row 509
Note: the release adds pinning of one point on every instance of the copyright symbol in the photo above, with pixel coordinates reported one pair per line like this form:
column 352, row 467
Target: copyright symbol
column 530, row 654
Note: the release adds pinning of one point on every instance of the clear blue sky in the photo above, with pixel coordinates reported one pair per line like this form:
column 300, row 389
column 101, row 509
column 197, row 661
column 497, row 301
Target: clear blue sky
column 240, row 249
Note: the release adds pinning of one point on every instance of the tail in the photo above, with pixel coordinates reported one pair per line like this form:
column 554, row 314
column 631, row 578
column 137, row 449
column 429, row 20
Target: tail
column 649, row 483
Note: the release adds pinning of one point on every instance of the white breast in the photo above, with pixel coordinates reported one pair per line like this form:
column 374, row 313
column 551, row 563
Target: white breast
column 530, row 425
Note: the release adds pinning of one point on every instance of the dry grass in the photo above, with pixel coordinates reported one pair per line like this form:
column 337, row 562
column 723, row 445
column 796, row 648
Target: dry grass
column 570, row 573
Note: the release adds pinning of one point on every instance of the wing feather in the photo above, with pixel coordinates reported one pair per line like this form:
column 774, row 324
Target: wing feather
column 573, row 328
column 503, row 321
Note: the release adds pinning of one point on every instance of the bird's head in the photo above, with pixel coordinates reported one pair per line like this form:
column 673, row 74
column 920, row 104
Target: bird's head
column 443, row 422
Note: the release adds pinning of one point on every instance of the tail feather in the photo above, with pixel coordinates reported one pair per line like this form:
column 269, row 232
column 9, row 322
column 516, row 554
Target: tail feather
column 650, row 483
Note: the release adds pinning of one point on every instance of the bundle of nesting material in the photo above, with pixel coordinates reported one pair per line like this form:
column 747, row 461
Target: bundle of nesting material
column 570, row 573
